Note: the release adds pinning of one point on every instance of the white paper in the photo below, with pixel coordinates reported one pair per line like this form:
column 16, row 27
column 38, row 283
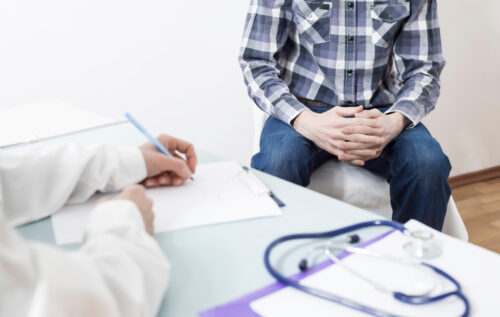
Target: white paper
column 475, row 268
column 221, row 192
column 32, row 122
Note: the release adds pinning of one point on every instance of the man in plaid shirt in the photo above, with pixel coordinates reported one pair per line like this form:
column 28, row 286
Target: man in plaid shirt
column 350, row 79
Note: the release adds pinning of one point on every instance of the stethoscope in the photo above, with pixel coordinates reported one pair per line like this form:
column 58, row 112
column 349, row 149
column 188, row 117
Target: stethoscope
column 418, row 298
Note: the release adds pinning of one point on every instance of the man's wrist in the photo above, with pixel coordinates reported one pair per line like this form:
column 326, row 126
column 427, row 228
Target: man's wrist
column 301, row 119
column 399, row 120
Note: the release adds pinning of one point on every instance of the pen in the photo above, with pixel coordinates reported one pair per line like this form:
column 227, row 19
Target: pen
column 263, row 186
column 148, row 136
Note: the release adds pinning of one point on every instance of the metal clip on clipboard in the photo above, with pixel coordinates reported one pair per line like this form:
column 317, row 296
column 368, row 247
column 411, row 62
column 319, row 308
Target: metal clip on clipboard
column 257, row 186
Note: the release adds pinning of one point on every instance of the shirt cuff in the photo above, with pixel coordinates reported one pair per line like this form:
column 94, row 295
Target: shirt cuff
column 120, row 217
column 132, row 166
column 288, row 109
column 410, row 109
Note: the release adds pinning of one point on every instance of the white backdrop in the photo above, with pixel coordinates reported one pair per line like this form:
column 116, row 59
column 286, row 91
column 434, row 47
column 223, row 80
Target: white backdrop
column 466, row 119
column 174, row 65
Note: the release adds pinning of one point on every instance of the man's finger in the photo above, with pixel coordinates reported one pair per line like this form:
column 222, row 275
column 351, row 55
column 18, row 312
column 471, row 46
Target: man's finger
column 351, row 158
column 349, row 146
column 362, row 138
column 331, row 148
column 358, row 162
column 365, row 154
column 363, row 129
column 347, row 111
column 372, row 113
column 370, row 122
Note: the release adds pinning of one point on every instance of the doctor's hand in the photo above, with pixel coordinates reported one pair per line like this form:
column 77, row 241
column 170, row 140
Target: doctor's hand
column 374, row 140
column 163, row 170
column 326, row 130
column 137, row 195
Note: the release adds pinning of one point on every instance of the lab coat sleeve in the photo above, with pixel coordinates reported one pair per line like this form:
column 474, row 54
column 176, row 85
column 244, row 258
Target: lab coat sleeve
column 119, row 271
column 37, row 183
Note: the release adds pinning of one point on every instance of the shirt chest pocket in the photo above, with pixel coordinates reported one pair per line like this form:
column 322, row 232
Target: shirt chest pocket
column 312, row 19
column 386, row 20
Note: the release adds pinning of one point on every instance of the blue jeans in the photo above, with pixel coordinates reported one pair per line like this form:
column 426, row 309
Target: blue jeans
column 413, row 164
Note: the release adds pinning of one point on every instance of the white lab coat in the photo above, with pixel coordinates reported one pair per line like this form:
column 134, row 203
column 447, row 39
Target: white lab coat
column 119, row 271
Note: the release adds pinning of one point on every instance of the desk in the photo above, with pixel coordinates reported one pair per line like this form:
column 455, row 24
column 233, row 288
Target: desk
column 217, row 263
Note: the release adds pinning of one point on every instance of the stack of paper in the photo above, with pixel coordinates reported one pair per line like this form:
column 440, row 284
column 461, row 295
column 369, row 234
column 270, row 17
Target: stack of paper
column 33, row 122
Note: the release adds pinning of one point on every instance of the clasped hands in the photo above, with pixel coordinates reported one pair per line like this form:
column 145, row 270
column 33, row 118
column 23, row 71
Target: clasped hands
column 352, row 134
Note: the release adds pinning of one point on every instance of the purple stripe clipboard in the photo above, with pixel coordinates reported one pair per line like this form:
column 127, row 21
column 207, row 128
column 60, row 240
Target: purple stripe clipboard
column 241, row 307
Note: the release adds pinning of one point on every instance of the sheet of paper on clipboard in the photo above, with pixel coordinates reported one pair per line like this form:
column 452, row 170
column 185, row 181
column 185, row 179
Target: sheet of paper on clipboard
column 221, row 192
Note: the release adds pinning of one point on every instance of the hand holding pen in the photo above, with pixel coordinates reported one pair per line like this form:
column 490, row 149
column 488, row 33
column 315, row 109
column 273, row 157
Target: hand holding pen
column 164, row 165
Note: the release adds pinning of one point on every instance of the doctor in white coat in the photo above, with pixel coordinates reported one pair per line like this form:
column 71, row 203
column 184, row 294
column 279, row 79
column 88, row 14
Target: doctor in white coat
column 120, row 270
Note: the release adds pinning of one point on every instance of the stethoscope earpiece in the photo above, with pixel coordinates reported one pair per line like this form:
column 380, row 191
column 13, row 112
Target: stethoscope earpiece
column 303, row 265
column 353, row 239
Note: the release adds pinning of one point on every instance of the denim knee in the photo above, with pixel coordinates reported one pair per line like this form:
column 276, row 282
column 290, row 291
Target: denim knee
column 284, row 162
column 429, row 163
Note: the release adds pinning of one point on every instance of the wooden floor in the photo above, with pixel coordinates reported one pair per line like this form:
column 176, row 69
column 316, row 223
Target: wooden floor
column 479, row 205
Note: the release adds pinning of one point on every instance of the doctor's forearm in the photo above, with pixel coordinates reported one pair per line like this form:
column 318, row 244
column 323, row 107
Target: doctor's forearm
column 37, row 183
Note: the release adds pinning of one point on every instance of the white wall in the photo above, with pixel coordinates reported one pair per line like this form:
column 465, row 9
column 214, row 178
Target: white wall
column 174, row 65
column 171, row 63
column 466, row 119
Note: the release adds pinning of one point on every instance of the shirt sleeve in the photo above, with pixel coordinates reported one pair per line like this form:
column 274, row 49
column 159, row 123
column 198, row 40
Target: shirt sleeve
column 36, row 183
column 119, row 271
column 266, row 32
column 418, row 58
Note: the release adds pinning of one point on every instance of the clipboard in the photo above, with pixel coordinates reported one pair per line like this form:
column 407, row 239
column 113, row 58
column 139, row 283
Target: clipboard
column 222, row 192
column 257, row 186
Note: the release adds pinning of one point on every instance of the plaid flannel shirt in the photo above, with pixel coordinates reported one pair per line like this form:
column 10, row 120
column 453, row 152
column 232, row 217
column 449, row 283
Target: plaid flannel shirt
column 342, row 52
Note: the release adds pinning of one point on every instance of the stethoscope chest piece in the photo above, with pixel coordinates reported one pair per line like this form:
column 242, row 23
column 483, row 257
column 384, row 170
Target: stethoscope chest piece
column 422, row 245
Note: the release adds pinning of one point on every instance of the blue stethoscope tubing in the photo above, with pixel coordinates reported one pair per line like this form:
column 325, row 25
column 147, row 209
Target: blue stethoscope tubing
column 413, row 300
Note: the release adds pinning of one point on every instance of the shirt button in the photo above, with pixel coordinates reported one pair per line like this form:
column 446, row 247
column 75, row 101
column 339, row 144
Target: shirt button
column 349, row 72
column 350, row 38
column 350, row 5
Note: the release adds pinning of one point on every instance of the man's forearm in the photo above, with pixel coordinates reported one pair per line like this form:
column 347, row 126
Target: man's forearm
column 419, row 62
column 260, row 46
